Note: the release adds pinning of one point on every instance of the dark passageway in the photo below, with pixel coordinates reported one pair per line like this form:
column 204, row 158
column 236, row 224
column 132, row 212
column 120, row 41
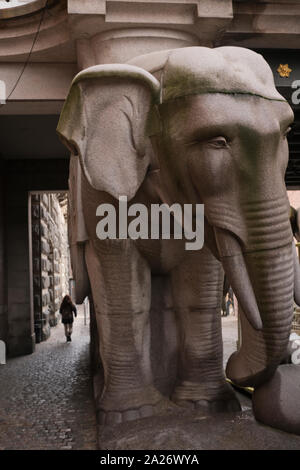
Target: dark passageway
column 46, row 399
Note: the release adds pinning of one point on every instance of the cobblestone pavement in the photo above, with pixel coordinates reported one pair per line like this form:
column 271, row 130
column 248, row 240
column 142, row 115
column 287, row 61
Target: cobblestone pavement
column 46, row 398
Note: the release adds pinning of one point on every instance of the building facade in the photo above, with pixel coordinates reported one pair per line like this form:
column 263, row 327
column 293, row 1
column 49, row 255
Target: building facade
column 43, row 44
column 50, row 260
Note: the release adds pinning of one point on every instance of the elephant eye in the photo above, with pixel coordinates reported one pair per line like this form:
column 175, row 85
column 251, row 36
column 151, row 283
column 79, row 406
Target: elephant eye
column 218, row 142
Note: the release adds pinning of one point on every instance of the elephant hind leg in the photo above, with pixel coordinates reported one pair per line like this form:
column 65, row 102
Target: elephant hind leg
column 197, row 286
column 120, row 281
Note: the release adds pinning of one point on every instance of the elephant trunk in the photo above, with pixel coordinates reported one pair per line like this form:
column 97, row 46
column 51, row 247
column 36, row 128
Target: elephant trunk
column 262, row 277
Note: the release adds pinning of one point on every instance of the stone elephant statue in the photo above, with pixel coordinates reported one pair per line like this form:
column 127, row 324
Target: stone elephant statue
column 186, row 126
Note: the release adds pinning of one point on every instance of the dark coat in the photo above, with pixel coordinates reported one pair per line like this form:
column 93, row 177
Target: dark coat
column 66, row 310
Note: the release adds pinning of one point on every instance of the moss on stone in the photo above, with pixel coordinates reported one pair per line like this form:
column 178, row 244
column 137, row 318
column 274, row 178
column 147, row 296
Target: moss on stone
column 181, row 82
column 71, row 104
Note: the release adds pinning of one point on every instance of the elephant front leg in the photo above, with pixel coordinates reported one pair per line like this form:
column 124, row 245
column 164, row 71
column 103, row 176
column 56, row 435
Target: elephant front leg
column 197, row 290
column 120, row 281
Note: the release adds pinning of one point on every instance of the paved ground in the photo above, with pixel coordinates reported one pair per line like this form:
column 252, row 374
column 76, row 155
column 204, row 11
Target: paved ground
column 197, row 431
column 46, row 402
column 46, row 398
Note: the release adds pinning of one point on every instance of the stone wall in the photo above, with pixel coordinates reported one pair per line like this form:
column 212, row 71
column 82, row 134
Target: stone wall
column 50, row 260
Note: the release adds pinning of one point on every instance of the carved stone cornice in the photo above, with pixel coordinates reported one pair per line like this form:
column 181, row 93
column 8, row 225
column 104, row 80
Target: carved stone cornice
column 264, row 24
column 206, row 19
column 15, row 8
column 53, row 44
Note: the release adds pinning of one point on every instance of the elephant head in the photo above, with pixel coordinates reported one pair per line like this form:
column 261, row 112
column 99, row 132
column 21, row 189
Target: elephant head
column 203, row 126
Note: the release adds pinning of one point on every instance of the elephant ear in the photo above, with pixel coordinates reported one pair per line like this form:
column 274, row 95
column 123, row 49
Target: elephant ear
column 104, row 122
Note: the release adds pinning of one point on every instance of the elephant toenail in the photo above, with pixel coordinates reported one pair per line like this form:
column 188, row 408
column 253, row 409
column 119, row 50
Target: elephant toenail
column 131, row 415
column 202, row 404
column 186, row 404
column 146, row 411
column 113, row 417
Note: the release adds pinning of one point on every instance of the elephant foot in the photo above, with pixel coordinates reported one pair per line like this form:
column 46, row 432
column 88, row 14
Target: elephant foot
column 123, row 407
column 209, row 397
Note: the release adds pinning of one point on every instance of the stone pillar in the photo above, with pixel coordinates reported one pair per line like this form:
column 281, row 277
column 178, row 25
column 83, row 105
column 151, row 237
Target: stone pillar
column 3, row 296
column 22, row 176
column 21, row 337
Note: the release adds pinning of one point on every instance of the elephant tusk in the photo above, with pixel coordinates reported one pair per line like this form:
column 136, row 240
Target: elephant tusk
column 234, row 265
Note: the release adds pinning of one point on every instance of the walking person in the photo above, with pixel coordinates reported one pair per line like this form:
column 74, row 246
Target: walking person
column 229, row 301
column 67, row 309
column 226, row 287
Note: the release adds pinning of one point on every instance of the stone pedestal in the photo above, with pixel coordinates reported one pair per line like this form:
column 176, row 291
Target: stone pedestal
column 194, row 430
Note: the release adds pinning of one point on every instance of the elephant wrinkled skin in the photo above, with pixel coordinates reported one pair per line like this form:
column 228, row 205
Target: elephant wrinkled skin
column 192, row 125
